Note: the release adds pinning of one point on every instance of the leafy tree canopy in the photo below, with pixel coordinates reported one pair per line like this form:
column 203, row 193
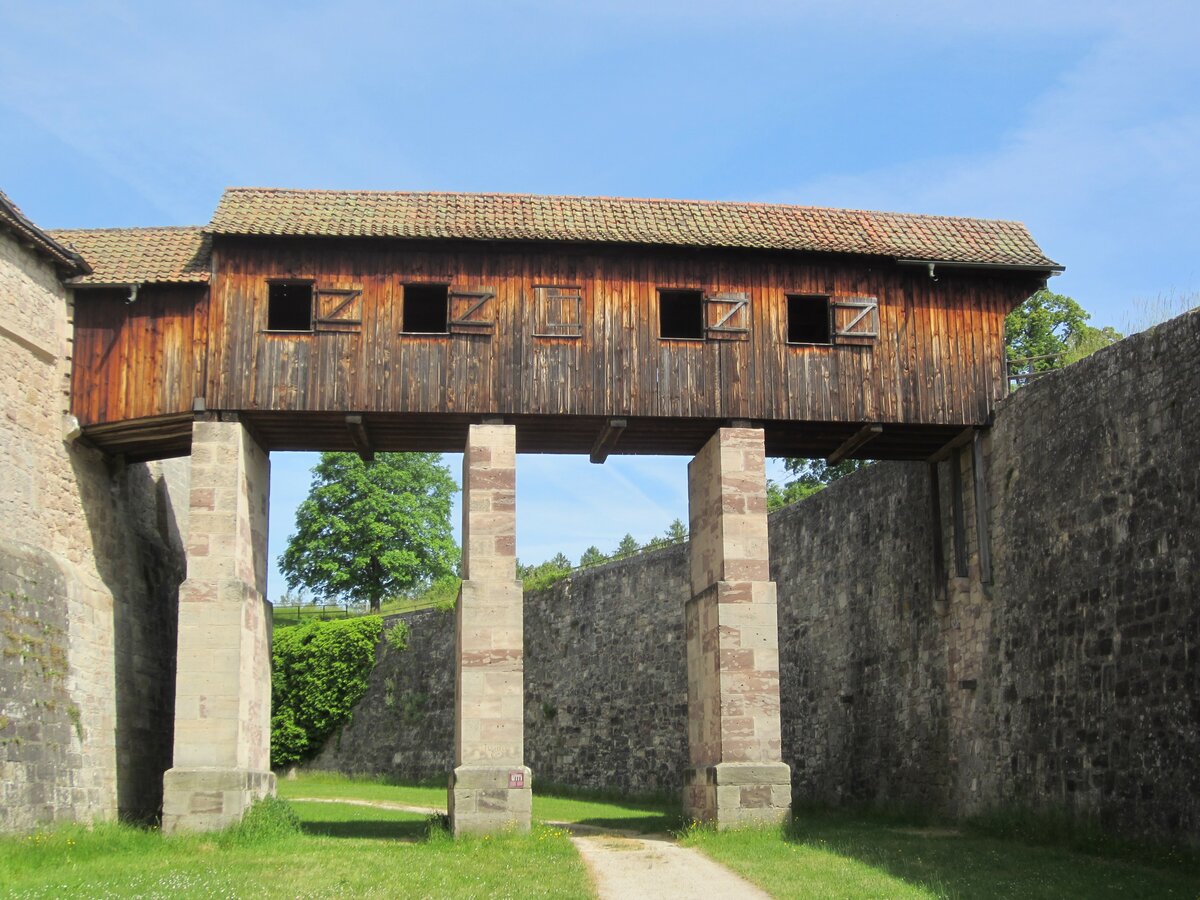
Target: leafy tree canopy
column 1055, row 326
column 592, row 557
column 811, row 476
column 370, row 530
column 628, row 546
column 677, row 532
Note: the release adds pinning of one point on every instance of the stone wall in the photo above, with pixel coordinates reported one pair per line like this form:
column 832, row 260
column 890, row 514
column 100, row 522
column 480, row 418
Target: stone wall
column 404, row 725
column 1069, row 681
column 605, row 686
column 606, row 676
column 90, row 559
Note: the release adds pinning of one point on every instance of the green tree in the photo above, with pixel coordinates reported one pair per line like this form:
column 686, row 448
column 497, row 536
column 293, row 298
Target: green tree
column 592, row 557
column 677, row 532
column 1049, row 331
column 810, row 476
column 370, row 530
column 560, row 561
column 628, row 546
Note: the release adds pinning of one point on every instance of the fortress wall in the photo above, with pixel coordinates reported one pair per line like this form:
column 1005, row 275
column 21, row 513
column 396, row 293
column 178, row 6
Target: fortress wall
column 90, row 559
column 1070, row 682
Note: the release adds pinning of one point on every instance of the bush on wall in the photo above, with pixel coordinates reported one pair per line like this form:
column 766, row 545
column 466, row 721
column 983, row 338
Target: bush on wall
column 319, row 672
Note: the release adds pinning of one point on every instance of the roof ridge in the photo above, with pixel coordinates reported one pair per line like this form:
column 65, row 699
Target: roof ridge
column 65, row 258
column 751, row 204
column 127, row 228
column 454, row 215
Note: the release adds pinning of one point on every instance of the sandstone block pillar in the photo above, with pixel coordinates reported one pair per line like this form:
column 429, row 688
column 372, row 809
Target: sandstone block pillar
column 490, row 788
column 737, row 775
column 223, row 682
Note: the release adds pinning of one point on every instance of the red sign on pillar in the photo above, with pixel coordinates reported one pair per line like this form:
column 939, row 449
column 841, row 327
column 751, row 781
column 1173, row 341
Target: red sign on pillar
column 516, row 780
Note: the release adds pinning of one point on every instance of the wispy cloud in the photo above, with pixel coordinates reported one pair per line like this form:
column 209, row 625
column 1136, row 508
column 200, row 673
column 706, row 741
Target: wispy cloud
column 1105, row 163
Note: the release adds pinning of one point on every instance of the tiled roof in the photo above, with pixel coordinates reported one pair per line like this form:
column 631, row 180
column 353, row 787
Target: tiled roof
column 140, row 255
column 15, row 221
column 492, row 217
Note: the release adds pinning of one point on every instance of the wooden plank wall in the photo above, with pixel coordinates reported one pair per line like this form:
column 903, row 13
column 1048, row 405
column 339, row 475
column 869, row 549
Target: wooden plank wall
column 937, row 359
column 140, row 359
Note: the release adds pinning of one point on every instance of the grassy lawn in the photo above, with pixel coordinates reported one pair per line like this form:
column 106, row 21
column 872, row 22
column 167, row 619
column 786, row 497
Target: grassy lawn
column 338, row 850
column 310, row 848
column 286, row 616
column 836, row 855
column 554, row 806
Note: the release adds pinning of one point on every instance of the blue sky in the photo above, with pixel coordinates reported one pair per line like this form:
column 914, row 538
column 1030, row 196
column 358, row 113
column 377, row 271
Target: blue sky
column 1081, row 119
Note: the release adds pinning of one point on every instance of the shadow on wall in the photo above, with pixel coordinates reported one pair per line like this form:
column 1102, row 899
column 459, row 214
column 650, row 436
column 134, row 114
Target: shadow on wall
column 139, row 555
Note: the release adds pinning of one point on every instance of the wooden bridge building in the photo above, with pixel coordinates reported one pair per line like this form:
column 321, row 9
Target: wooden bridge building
column 498, row 324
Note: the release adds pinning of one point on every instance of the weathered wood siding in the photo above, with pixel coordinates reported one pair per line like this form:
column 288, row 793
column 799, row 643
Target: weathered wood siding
column 140, row 359
column 938, row 357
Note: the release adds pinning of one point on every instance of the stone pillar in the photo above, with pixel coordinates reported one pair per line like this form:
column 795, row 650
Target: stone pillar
column 737, row 775
column 223, row 685
column 490, row 788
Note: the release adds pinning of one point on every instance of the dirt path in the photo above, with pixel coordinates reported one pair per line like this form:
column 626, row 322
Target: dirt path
column 378, row 804
column 625, row 865
column 653, row 866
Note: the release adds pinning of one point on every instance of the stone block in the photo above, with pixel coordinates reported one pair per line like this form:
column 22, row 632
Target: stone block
column 484, row 800
column 736, row 794
column 209, row 798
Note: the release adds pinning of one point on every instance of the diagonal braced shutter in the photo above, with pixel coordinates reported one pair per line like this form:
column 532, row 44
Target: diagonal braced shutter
column 339, row 309
column 471, row 311
column 727, row 316
column 855, row 319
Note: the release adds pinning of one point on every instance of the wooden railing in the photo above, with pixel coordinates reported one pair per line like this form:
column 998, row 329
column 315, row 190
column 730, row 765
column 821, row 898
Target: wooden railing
column 1023, row 371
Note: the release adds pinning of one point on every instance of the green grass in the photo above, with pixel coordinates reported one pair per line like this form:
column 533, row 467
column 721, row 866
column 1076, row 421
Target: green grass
column 826, row 854
column 331, row 785
column 554, row 805
column 334, row 850
column 299, row 848
column 438, row 597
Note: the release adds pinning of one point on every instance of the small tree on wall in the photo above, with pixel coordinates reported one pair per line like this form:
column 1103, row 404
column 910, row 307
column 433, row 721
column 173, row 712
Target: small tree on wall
column 370, row 530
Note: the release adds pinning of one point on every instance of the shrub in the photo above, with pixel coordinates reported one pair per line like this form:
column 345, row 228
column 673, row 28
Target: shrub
column 319, row 672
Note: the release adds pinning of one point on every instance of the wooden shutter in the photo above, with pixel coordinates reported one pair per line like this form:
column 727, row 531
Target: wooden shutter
column 471, row 311
column 558, row 311
column 338, row 309
column 727, row 316
column 855, row 319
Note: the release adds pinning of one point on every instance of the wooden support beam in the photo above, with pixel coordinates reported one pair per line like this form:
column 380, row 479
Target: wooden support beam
column 982, row 535
column 606, row 440
column 953, row 444
column 862, row 436
column 360, row 436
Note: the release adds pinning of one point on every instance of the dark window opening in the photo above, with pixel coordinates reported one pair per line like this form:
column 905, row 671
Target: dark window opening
column 681, row 314
column 289, row 306
column 425, row 307
column 808, row 320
